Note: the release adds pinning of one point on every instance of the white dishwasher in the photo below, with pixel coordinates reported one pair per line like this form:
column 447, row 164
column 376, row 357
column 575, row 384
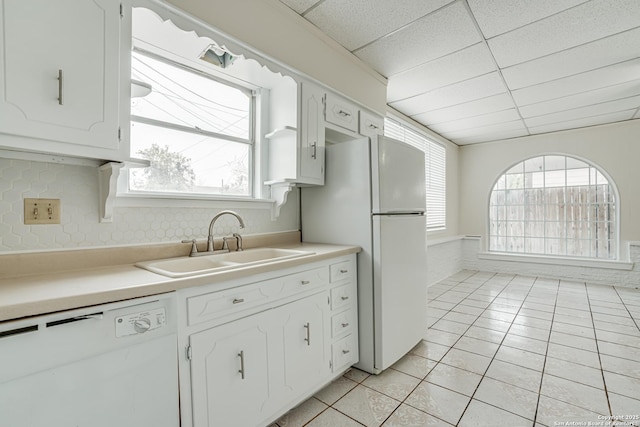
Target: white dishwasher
column 113, row 365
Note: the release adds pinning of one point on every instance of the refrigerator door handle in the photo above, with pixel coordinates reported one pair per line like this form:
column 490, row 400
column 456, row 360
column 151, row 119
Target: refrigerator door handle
column 400, row 213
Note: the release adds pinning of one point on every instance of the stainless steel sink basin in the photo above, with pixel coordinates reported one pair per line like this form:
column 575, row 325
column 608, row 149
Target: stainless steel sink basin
column 191, row 266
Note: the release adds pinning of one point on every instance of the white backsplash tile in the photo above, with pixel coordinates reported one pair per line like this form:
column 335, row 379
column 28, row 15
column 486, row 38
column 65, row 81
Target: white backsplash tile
column 77, row 189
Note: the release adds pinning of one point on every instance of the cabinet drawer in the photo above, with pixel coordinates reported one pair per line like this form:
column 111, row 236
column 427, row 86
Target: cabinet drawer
column 308, row 279
column 341, row 112
column 342, row 296
column 342, row 323
column 341, row 271
column 217, row 304
column 214, row 305
column 370, row 125
column 345, row 352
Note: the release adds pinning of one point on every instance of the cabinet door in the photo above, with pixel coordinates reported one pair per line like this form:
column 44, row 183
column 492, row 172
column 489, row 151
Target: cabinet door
column 311, row 137
column 230, row 375
column 60, row 79
column 306, row 351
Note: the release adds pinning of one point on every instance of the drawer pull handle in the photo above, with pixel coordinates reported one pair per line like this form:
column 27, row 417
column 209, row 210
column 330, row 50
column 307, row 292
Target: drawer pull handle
column 344, row 298
column 343, row 271
column 344, row 113
column 314, row 153
column 306, row 282
column 346, row 351
column 60, row 87
column 372, row 126
column 307, row 326
column 241, row 370
column 238, row 300
column 344, row 325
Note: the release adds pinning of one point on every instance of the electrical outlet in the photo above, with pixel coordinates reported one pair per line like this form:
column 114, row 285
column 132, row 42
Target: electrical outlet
column 42, row 211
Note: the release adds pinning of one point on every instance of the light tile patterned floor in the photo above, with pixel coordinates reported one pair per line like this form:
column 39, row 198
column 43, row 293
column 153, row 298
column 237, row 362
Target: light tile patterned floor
column 501, row 350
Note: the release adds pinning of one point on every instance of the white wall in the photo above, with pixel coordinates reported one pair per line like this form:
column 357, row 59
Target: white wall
column 614, row 147
column 77, row 188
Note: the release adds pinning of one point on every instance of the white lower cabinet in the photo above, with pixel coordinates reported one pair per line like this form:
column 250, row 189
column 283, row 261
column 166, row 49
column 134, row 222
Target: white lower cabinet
column 306, row 346
column 280, row 339
column 230, row 372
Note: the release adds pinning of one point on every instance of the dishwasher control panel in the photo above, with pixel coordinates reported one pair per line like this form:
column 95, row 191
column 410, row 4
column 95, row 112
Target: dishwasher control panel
column 140, row 322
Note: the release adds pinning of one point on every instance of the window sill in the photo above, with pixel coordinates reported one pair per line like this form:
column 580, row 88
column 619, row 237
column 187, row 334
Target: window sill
column 129, row 200
column 549, row 260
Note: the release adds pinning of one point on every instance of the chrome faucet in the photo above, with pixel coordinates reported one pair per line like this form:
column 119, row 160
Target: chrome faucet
column 225, row 243
column 210, row 247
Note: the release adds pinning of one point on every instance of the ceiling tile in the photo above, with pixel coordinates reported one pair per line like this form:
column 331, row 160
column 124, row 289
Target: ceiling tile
column 459, row 93
column 462, row 65
column 499, row 16
column 478, row 107
column 599, row 78
column 612, row 50
column 588, row 121
column 582, row 24
column 491, row 130
column 585, row 112
column 355, row 23
column 300, row 5
column 610, row 93
column 497, row 136
column 477, row 121
column 438, row 34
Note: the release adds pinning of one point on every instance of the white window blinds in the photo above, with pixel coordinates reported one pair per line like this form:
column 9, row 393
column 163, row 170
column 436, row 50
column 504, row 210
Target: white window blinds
column 435, row 170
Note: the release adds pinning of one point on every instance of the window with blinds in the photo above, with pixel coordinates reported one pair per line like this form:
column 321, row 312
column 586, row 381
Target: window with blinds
column 435, row 170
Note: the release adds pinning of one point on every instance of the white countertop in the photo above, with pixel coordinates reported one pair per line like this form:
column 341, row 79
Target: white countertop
column 34, row 294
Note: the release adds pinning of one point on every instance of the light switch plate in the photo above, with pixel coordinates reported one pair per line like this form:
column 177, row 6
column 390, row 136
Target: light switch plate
column 42, row 211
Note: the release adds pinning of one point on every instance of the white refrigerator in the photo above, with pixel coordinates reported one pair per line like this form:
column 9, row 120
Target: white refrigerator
column 374, row 197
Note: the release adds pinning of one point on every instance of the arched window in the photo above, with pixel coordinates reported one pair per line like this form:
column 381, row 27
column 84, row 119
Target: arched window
column 554, row 205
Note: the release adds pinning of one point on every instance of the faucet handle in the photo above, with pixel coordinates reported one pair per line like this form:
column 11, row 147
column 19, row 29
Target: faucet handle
column 194, row 247
column 238, row 241
column 225, row 244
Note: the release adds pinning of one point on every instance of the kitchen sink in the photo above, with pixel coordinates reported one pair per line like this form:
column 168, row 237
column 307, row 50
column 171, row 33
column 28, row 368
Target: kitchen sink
column 192, row 266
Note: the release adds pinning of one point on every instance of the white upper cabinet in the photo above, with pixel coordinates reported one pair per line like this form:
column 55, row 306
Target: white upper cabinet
column 311, row 155
column 341, row 112
column 64, row 77
column 371, row 125
column 296, row 146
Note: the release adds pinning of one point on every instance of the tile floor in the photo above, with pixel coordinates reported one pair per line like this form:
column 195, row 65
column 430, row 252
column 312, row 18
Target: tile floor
column 501, row 350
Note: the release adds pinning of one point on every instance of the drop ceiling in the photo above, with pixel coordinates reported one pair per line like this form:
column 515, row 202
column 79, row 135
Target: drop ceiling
column 481, row 70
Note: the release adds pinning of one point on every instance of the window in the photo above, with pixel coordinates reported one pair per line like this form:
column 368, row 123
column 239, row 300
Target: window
column 435, row 170
column 554, row 205
column 197, row 131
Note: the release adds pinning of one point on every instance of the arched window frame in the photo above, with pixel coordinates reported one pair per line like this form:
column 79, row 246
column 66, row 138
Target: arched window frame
column 569, row 235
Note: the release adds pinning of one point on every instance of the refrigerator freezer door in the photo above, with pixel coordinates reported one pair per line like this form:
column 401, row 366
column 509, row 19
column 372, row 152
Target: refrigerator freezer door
column 398, row 183
column 400, row 285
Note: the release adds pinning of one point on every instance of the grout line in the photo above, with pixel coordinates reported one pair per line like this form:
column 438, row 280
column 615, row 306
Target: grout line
column 546, row 353
column 604, row 381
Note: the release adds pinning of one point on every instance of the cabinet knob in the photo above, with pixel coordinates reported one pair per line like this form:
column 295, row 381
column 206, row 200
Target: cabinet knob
column 344, row 325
